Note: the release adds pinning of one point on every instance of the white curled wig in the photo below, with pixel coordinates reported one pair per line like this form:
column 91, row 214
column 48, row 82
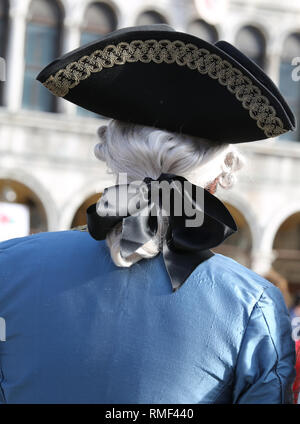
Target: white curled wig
column 141, row 152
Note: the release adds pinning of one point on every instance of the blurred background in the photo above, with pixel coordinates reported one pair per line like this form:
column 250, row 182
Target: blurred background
column 48, row 174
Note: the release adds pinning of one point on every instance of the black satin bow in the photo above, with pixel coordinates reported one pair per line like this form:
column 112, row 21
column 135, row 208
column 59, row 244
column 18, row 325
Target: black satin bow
column 183, row 248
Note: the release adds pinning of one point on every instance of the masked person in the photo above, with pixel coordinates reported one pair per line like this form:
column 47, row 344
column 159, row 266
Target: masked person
column 139, row 309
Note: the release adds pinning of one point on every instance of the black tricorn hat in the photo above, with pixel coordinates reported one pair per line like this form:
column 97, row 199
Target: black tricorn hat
column 155, row 76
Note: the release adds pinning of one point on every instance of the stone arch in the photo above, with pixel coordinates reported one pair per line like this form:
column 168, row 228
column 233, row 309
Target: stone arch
column 251, row 39
column 74, row 201
column 241, row 204
column 78, row 13
column 240, row 244
column 284, row 34
column 286, row 248
column 204, row 30
column 272, row 228
column 38, row 189
column 151, row 8
column 257, row 24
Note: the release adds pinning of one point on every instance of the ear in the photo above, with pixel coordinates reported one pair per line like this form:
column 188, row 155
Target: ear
column 212, row 187
column 234, row 160
column 229, row 158
column 102, row 131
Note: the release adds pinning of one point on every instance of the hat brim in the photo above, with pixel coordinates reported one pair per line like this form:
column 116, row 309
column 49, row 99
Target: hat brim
column 158, row 77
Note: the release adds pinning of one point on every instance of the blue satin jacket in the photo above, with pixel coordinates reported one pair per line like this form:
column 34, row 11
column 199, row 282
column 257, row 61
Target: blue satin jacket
column 81, row 330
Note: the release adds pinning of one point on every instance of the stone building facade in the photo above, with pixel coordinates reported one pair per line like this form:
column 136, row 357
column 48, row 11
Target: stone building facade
column 46, row 146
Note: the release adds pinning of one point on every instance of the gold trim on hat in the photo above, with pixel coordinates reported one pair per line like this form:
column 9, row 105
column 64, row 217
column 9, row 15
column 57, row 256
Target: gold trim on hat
column 165, row 51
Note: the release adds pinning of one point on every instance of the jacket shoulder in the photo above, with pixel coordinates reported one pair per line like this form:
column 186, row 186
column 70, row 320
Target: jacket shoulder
column 53, row 244
column 236, row 281
column 227, row 265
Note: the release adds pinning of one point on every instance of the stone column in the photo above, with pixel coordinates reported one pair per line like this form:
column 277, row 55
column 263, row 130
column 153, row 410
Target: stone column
column 273, row 62
column 261, row 261
column 273, row 54
column 178, row 13
column 15, row 55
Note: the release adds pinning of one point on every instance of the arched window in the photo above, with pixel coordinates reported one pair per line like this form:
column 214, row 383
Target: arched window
column 80, row 215
column 288, row 86
column 99, row 20
column 42, row 46
column 287, row 248
column 21, row 210
column 3, row 42
column 150, row 17
column 3, row 26
column 252, row 43
column 203, row 30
